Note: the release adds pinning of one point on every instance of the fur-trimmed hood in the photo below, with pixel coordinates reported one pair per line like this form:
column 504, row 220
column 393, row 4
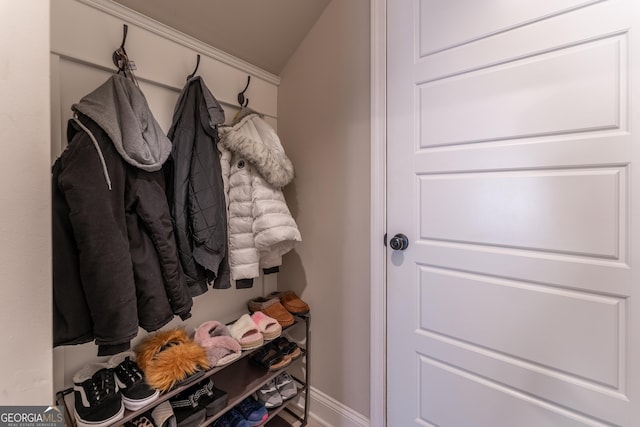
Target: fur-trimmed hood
column 251, row 137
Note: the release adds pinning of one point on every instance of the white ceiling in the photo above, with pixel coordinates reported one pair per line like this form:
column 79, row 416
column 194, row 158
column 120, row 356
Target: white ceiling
column 263, row 32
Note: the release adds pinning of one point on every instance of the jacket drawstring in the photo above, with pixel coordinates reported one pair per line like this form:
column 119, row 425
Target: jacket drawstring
column 105, row 172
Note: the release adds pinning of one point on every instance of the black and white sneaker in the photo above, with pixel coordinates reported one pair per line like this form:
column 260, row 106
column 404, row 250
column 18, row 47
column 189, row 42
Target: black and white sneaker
column 97, row 400
column 136, row 393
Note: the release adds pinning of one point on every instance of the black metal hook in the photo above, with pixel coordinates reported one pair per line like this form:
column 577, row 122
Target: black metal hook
column 121, row 60
column 120, row 55
column 241, row 99
column 196, row 69
column 125, row 29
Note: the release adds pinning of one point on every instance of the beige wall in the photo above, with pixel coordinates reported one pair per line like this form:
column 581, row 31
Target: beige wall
column 323, row 109
column 25, row 252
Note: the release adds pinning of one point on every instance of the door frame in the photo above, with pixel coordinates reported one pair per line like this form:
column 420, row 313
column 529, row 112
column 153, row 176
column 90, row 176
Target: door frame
column 378, row 215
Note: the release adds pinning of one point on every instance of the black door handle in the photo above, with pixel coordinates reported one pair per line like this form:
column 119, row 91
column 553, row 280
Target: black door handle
column 399, row 242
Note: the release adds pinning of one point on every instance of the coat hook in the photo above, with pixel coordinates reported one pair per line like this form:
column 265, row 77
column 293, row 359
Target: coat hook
column 196, row 69
column 119, row 54
column 121, row 60
column 125, row 28
column 241, row 98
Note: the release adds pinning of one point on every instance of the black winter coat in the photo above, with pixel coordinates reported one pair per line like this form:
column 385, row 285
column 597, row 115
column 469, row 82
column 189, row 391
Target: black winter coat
column 195, row 189
column 115, row 264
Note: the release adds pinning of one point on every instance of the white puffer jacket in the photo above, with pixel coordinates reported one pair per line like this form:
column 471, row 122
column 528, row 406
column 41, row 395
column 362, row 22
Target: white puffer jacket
column 254, row 169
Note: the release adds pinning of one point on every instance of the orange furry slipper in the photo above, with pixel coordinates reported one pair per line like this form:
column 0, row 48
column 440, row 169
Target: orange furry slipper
column 170, row 357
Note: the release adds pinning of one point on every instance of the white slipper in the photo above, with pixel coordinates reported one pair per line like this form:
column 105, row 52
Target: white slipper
column 246, row 332
column 269, row 327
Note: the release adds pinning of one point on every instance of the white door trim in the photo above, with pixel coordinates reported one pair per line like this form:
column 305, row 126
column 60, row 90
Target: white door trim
column 464, row 328
column 377, row 261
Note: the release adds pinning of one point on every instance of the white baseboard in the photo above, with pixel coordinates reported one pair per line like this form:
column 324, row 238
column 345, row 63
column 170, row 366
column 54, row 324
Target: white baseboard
column 324, row 411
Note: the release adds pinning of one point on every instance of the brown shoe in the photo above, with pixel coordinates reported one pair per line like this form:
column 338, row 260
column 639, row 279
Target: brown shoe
column 272, row 307
column 291, row 302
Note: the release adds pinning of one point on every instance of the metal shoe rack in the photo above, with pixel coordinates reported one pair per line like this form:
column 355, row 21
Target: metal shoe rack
column 239, row 379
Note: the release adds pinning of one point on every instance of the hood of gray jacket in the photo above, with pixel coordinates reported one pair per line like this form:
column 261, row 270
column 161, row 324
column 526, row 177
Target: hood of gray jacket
column 120, row 108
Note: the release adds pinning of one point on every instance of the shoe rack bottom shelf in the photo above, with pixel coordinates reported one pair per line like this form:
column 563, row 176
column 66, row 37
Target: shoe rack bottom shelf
column 242, row 380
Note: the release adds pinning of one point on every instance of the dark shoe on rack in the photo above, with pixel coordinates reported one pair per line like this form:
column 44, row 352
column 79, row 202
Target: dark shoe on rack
column 202, row 395
column 97, row 401
column 190, row 417
column 130, row 379
column 252, row 411
column 232, row 418
column 214, row 402
column 270, row 358
column 286, row 347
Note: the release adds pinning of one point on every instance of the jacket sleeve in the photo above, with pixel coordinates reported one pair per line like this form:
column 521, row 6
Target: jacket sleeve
column 98, row 221
column 153, row 210
column 207, row 204
column 274, row 229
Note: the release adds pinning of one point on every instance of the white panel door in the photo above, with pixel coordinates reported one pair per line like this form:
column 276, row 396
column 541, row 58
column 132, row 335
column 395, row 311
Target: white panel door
column 512, row 140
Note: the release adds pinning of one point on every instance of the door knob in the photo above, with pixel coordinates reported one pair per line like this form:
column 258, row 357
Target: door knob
column 399, row 242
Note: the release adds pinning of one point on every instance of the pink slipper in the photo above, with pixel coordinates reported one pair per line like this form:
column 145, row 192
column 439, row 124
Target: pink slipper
column 269, row 327
column 246, row 332
column 216, row 339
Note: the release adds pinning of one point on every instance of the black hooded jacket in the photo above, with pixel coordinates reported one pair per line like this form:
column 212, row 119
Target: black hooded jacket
column 115, row 263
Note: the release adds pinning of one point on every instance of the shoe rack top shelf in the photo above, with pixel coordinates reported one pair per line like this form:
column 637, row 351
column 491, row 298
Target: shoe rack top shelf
column 240, row 382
